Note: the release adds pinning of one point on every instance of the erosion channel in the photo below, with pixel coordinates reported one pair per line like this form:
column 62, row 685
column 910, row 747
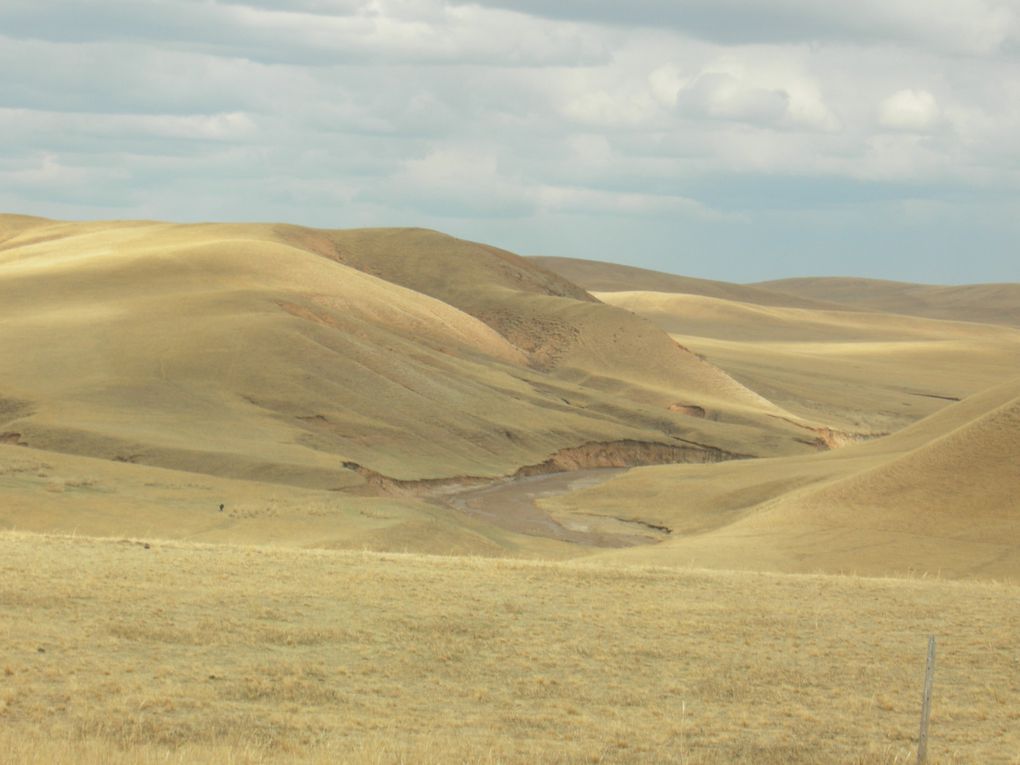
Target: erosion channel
column 511, row 505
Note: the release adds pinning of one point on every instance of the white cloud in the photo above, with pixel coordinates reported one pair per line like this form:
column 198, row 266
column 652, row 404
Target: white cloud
column 959, row 26
column 529, row 120
column 609, row 109
column 456, row 182
column 765, row 87
column 312, row 34
column 911, row 110
column 227, row 127
column 721, row 95
column 560, row 199
column 665, row 83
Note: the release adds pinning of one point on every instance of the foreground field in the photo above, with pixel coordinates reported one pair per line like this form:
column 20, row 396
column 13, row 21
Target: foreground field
column 128, row 651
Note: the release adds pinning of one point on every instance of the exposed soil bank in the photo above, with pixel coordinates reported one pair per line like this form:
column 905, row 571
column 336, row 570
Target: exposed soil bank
column 509, row 502
column 826, row 439
column 607, row 454
column 620, row 454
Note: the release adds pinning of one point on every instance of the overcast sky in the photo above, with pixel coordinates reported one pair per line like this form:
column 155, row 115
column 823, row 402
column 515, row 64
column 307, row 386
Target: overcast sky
column 731, row 139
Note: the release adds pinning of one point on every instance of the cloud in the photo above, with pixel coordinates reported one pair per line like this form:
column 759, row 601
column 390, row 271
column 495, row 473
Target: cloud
column 310, row 33
column 720, row 95
column 579, row 201
column 456, row 182
column 911, row 110
column 767, row 88
column 970, row 26
column 537, row 126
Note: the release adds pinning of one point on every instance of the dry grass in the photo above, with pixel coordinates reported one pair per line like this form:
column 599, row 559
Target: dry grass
column 863, row 372
column 278, row 354
column 116, row 652
column 942, row 496
column 166, row 370
column 992, row 303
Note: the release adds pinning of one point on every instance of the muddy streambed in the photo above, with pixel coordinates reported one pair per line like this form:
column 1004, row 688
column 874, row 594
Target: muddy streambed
column 511, row 505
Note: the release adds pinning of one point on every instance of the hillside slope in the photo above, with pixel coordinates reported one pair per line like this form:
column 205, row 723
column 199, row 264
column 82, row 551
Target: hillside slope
column 940, row 496
column 290, row 355
column 989, row 303
column 596, row 276
column 861, row 371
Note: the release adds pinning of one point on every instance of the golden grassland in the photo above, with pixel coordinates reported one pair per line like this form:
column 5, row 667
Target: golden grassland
column 128, row 651
column 599, row 276
column 51, row 492
column 984, row 303
column 164, row 370
column 991, row 303
column 942, row 496
column 857, row 371
column 285, row 355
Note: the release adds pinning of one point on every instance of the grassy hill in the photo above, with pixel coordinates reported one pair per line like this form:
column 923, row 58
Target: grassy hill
column 859, row 371
column 988, row 303
column 937, row 498
column 290, row 355
column 597, row 276
column 984, row 303
column 308, row 510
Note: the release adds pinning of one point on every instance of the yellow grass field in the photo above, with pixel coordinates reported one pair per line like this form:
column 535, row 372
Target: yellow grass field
column 271, row 494
column 288, row 355
column 119, row 651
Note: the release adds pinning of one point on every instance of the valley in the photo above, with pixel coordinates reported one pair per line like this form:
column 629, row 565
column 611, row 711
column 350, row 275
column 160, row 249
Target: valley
column 269, row 492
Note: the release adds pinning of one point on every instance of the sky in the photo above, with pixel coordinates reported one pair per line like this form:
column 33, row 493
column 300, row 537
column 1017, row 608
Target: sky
column 731, row 139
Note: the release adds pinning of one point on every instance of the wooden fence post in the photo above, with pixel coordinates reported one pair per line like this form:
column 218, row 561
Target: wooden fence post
column 929, row 675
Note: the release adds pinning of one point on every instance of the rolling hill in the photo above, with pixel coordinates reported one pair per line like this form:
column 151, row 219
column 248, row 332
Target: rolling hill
column 860, row 371
column 330, row 387
column 184, row 407
column 937, row 497
column 597, row 276
column 988, row 303
column 984, row 303
column 274, row 361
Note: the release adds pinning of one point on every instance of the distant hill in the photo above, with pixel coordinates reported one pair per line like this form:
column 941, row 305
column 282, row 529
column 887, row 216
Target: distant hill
column 596, row 276
column 859, row 370
column 988, row 303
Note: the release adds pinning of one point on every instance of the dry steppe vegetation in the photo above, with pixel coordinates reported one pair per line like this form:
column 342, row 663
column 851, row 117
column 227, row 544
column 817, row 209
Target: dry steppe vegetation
column 277, row 494
column 152, row 651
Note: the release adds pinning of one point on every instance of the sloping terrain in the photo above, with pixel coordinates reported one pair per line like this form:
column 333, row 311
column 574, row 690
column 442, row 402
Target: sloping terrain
column 48, row 491
column 938, row 497
column 938, row 494
column 856, row 368
column 363, row 388
column 989, row 303
column 597, row 276
column 985, row 303
column 320, row 359
column 269, row 388
column 860, row 371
